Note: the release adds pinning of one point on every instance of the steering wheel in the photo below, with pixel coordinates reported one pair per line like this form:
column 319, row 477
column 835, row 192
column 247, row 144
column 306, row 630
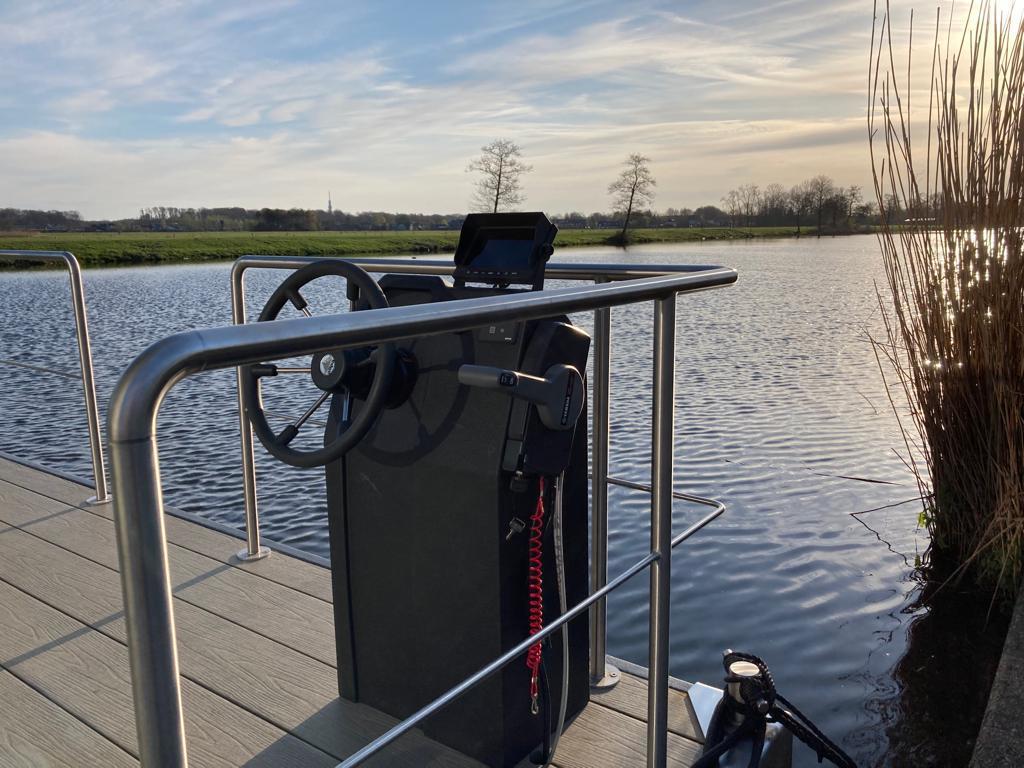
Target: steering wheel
column 332, row 371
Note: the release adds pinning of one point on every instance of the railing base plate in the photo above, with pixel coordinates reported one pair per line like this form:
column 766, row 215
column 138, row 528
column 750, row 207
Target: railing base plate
column 245, row 556
column 610, row 680
column 92, row 501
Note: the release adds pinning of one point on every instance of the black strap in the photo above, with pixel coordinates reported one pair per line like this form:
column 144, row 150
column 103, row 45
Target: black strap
column 709, row 758
column 761, row 704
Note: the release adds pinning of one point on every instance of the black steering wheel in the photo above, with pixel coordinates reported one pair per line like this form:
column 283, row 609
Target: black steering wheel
column 331, row 371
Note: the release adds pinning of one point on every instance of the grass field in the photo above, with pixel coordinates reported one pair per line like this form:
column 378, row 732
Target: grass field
column 101, row 248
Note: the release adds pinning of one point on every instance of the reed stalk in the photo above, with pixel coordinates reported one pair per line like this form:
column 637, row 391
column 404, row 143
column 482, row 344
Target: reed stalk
column 952, row 350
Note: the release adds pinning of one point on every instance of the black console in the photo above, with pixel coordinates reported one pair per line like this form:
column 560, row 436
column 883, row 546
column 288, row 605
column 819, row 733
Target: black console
column 434, row 511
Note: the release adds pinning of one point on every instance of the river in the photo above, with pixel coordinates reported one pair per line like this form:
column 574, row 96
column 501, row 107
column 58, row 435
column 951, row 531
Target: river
column 781, row 413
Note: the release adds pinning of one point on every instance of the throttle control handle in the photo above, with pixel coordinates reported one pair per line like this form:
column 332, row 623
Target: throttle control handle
column 558, row 395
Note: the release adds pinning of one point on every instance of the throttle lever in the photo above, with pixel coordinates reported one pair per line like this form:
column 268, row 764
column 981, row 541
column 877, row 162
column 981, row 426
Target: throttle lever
column 558, row 395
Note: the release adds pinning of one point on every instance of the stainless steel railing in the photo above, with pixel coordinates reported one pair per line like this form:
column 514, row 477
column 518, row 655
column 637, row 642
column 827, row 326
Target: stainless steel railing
column 84, row 360
column 602, row 674
column 255, row 550
column 142, row 546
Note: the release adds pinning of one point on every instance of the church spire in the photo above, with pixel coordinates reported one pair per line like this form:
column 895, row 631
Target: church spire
column 330, row 209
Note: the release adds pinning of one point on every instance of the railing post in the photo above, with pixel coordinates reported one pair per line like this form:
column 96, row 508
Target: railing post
column 92, row 412
column 149, row 616
column 253, row 549
column 602, row 674
column 661, row 528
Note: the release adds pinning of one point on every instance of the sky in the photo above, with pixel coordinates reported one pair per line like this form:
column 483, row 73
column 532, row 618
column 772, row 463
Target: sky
column 110, row 106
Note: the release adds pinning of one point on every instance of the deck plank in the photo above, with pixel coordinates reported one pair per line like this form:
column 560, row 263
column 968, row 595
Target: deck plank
column 49, row 650
column 290, row 689
column 629, row 697
column 610, row 739
column 36, row 732
column 256, row 647
column 294, row 619
column 298, row 574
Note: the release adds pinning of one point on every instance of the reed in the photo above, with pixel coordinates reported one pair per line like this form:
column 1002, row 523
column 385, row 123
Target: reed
column 953, row 347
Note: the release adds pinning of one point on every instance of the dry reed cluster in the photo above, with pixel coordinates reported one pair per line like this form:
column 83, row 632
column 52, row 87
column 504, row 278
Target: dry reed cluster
column 951, row 233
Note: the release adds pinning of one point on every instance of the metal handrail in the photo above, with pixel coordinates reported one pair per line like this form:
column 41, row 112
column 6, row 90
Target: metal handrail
column 718, row 506
column 138, row 504
column 254, row 549
column 84, row 360
column 602, row 674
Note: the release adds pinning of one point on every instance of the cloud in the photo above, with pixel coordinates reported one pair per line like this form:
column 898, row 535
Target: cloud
column 272, row 102
column 133, row 50
column 84, row 102
column 114, row 178
column 653, row 49
column 106, row 178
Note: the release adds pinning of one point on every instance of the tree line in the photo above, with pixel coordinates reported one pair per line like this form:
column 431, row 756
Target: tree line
column 16, row 218
column 817, row 202
column 288, row 220
column 304, row 219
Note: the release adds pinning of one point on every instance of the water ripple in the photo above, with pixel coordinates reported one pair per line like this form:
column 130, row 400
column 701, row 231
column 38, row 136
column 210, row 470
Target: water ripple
column 780, row 412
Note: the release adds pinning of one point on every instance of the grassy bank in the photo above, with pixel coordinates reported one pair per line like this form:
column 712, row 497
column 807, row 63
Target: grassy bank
column 94, row 249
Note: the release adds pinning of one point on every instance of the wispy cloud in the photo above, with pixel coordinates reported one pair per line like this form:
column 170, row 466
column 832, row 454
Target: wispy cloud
column 271, row 102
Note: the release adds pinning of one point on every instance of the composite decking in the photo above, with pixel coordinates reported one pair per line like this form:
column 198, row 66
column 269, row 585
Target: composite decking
column 255, row 644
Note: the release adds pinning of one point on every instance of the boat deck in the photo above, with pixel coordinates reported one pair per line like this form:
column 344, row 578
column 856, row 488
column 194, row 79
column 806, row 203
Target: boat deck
column 255, row 644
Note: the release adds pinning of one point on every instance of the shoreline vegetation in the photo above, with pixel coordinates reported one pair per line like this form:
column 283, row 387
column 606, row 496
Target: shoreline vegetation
column 116, row 249
column 952, row 352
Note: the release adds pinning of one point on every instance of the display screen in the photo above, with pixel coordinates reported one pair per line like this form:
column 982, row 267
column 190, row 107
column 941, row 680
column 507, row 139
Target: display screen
column 504, row 249
column 504, row 255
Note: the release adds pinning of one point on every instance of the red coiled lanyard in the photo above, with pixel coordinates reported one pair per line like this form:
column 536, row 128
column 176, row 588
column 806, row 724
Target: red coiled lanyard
column 535, row 586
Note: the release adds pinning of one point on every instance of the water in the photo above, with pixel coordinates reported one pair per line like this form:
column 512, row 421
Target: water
column 781, row 413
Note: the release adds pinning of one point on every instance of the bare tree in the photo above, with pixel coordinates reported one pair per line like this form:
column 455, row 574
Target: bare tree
column 750, row 201
column 743, row 204
column 801, row 201
column 853, row 199
column 821, row 189
column 633, row 188
column 500, row 167
column 774, row 203
column 733, row 206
